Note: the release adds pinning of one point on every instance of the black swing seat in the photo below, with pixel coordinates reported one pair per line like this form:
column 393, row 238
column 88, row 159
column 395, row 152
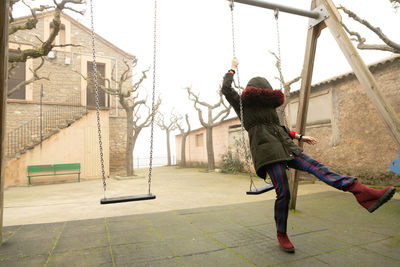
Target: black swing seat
column 260, row 190
column 127, row 199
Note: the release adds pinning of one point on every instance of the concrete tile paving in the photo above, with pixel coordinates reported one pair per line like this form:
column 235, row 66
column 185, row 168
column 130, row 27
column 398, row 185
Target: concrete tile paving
column 213, row 237
column 328, row 228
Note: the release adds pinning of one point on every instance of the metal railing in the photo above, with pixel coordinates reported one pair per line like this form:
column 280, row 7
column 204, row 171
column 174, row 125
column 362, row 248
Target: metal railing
column 33, row 132
column 143, row 162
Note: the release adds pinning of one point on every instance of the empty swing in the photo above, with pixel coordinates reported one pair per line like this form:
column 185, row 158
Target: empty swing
column 149, row 195
column 253, row 190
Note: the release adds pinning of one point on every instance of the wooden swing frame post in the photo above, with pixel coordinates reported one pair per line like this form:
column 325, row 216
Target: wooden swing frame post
column 3, row 99
column 362, row 72
column 332, row 20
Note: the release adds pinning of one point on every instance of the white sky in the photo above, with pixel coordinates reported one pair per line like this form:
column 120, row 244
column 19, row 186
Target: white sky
column 195, row 46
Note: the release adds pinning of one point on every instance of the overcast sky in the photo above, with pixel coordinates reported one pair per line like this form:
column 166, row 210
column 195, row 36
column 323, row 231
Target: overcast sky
column 195, row 46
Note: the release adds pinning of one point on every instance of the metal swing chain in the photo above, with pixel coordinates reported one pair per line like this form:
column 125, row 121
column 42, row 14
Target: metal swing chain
column 153, row 95
column 276, row 15
column 96, row 86
column 240, row 99
column 234, row 45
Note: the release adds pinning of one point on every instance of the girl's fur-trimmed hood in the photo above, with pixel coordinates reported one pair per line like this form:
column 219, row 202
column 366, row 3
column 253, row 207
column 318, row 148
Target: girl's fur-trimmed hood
column 253, row 96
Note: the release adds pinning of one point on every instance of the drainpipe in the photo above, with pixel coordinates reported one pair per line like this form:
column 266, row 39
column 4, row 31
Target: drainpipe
column 41, row 115
column 116, row 96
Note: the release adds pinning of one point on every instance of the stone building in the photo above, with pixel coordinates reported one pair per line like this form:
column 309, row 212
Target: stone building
column 63, row 107
column 352, row 137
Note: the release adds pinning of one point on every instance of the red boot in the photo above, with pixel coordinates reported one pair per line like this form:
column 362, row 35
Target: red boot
column 285, row 243
column 371, row 198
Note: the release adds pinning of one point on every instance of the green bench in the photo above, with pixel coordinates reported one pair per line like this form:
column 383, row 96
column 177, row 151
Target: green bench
column 54, row 170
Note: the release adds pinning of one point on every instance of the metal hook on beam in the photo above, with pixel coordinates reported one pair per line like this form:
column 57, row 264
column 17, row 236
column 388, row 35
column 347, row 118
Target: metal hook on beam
column 276, row 13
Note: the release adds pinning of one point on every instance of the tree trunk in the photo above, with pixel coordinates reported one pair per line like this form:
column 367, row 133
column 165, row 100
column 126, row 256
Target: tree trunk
column 134, row 138
column 129, row 144
column 282, row 115
column 168, row 149
column 210, row 149
column 183, row 151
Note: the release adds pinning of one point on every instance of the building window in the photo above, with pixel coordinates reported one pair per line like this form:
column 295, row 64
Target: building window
column 319, row 109
column 61, row 34
column 90, row 89
column 235, row 136
column 199, row 140
column 16, row 76
column 235, row 126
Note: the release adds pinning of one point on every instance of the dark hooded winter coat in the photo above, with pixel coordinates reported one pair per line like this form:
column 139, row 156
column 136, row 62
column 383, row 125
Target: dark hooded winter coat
column 269, row 141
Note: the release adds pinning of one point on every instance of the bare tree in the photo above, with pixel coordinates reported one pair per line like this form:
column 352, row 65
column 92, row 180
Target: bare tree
column 184, row 135
column 211, row 120
column 395, row 3
column 168, row 128
column 45, row 46
column 389, row 45
column 128, row 97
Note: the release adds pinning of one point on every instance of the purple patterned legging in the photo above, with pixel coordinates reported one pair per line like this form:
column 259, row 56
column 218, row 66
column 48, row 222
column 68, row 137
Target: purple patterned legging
column 303, row 162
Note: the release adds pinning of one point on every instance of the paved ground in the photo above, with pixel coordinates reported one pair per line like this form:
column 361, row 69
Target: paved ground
column 198, row 219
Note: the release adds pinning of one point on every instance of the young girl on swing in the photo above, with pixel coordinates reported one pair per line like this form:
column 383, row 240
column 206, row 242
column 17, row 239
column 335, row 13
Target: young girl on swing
column 273, row 150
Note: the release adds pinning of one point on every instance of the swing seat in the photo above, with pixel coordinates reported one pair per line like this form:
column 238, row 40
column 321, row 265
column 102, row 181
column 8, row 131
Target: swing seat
column 260, row 190
column 112, row 200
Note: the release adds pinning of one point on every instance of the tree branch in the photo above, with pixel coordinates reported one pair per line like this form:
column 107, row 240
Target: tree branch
column 34, row 78
column 137, row 84
column 11, row 8
column 221, row 100
column 196, row 98
column 30, row 23
column 278, row 67
column 62, row 5
column 179, row 124
column 225, row 111
column 147, row 121
column 395, row 4
column 390, row 46
column 65, row 45
column 47, row 45
column 172, row 122
column 187, row 122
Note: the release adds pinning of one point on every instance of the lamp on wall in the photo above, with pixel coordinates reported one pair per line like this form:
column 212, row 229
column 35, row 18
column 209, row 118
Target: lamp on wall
column 51, row 55
column 134, row 63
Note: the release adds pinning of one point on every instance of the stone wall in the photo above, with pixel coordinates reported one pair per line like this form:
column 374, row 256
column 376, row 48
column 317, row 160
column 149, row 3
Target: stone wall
column 65, row 83
column 118, row 146
column 353, row 140
column 357, row 142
